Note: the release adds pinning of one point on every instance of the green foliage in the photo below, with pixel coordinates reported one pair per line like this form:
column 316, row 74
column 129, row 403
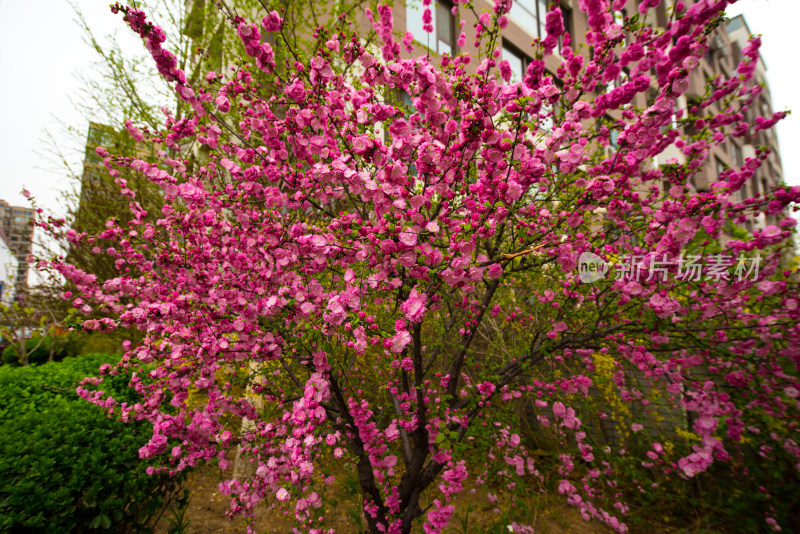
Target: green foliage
column 723, row 499
column 39, row 349
column 64, row 465
column 351, row 484
column 463, row 521
column 106, row 342
column 178, row 519
column 733, row 497
column 736, row 496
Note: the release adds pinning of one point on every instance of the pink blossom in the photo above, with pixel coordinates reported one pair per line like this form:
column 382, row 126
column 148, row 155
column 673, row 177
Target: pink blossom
column 296, row 91
column 495, row 271
column 400, row 340
column 272, row 22
column 414, row 306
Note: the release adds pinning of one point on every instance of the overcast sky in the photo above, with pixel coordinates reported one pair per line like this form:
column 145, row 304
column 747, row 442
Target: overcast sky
column 41, row 51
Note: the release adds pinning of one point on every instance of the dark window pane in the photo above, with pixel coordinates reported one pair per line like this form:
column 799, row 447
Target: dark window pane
column 445, row 27
column 516, row 61
column 567, row 16
column 542, row 5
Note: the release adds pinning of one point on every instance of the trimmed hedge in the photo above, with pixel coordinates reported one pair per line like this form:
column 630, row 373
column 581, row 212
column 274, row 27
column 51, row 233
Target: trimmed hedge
column 64, row 465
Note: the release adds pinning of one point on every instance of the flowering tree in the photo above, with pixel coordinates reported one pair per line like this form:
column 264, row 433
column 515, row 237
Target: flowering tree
column 346, row 278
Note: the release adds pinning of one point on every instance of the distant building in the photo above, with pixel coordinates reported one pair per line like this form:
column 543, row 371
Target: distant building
column 725, row 54
column 8, row 270
column 100, row 199
column 98, row 191
column 16, row 224
column 526, row 23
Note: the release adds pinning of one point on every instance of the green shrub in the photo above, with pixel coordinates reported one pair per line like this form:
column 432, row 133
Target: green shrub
column 64, row 465
column 102, row 341
column 39, row 350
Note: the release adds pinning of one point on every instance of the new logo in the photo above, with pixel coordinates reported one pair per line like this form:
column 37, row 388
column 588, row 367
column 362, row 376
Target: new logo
column 591, row 267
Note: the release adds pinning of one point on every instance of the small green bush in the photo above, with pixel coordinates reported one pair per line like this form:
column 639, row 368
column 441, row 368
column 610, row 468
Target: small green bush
column 64, row 465
column 39, row 350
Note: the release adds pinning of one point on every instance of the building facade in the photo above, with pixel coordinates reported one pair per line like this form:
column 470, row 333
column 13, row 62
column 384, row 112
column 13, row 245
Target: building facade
column 8, row 270
column 16, row 224
column 527, row 22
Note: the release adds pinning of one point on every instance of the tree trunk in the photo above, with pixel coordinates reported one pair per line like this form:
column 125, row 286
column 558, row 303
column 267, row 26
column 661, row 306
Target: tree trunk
column 243, row 468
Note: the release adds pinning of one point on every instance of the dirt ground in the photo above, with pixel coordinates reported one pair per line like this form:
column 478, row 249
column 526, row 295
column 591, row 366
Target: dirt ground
column 207, row 506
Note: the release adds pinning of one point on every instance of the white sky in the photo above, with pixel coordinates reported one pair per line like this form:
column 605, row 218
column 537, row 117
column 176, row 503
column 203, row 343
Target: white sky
column 41, row 51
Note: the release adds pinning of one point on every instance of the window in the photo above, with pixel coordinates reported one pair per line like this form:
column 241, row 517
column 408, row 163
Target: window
column 765, row 111
column 546, row 117
column 529, row 14
column 756, row 184
column 445, row 28
column 517, row 60
column 621, row 80
column 736, row 53
column 613, row 137
column 443, row 38
column 619, row 18
column 736, row 152
column 567, row 16
column 405, row 100
column 734, row 24
column 720, row 167
column 736, row 196
column 661, row 15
